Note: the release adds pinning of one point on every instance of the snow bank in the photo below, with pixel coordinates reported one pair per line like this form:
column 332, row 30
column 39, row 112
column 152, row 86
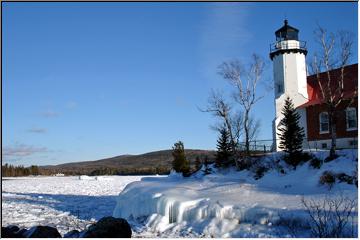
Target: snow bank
column 103, row 178
column 226, row 203
column 85, row 177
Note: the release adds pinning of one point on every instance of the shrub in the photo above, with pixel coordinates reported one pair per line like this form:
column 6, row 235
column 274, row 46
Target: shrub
column 207, row 170
column 293, row 224
column 198, row 163
column 343, row 177
column 315, row 163
column 305, row 157
column 330, row 158
column 355, row 177
column 331, row 217
column 260, row 171
column 328, row 179
column 245, row 163
column 294, row 160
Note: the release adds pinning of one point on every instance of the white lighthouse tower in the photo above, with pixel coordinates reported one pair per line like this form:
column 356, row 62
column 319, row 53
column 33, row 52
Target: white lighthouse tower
column 290, row 78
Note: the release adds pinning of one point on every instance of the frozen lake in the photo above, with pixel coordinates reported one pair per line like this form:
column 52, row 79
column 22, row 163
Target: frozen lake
column 66, row 203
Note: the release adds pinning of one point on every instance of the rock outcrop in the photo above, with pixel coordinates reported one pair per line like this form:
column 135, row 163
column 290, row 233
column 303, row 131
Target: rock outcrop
column 107, row 227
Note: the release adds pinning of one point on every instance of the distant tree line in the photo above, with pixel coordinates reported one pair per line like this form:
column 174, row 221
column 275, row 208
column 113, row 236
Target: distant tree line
column 130, row 171
column 9, row 170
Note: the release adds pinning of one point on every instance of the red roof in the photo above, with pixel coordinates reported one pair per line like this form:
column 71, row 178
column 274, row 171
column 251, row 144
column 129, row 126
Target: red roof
column 350, row 84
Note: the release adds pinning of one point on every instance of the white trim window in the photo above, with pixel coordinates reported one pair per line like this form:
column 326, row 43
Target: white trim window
column 324, row 122
column 351, row 120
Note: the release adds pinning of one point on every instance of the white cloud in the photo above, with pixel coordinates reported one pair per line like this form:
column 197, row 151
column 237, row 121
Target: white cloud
column 21, row 150
column 224, row 32
column 37, row 130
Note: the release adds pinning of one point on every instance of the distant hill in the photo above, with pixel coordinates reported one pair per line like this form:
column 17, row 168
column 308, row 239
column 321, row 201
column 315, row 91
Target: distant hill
column 148, row 163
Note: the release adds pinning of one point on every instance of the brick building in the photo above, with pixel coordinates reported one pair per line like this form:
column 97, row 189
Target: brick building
column 317, row 122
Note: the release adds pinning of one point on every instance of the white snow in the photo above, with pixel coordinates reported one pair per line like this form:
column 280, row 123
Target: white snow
column 85, row 177
column 227, row 203
column 67, row 203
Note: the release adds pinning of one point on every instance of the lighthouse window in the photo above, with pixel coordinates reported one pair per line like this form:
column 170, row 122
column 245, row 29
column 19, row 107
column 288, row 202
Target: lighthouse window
column 280, row 88
column 351, row 123
column 324, row 122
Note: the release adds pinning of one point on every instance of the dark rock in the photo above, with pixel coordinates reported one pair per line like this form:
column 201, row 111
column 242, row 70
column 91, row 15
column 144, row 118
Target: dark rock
column 42, row 232
column 72, row 234
column 9, row 232
column 109, row 227
column 21, row 232
column 13, row 228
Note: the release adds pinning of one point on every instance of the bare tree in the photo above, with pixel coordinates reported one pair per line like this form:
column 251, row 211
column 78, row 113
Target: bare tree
column 245, row 81
column 220, row 108
column 335, row 53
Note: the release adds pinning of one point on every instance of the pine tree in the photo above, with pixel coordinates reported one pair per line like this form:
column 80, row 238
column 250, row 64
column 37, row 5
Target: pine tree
column 223, row 153
column 180, row 163
column 291, row 134
column 197, row 163
column 207, row 169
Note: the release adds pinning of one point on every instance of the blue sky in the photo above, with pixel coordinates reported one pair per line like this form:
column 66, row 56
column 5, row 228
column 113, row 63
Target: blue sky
column 84, row 81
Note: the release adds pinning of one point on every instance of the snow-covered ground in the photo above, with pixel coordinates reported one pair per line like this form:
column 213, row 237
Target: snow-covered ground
column 226, row 203
column 229, row 203
column 64, row 202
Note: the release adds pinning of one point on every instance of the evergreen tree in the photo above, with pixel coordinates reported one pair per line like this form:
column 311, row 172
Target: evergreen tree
column 223, row 154
column 197, row 163
column 9, row 170
column 291, row 134
column 34, row 170
column 207, row 169
column 180, row 163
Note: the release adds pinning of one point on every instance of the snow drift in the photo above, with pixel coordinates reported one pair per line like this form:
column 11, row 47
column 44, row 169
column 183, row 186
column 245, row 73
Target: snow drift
column 227, row 203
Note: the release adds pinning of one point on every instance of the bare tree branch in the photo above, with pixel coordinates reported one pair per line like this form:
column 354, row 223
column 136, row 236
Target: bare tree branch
column 221, row 109
column 335, row 52
column 245, row 81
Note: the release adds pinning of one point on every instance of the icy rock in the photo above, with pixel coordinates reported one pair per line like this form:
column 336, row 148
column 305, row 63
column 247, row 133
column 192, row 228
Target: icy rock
column 109, row 227
column 42, row 232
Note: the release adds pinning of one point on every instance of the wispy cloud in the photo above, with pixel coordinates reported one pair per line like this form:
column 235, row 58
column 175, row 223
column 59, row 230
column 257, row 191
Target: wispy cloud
column 71, row 105
column 49, row 114
column 37, row 130
column 22, row 150
column 224, row 32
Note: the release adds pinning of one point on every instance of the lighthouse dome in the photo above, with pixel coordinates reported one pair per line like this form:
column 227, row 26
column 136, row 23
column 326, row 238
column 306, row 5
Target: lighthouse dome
column 287, row 32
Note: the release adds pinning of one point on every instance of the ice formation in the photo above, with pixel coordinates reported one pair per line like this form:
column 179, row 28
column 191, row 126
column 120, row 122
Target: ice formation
column 223, row 203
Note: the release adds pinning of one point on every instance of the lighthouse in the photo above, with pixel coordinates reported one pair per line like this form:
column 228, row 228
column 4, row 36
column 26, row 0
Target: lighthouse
column 290, row 78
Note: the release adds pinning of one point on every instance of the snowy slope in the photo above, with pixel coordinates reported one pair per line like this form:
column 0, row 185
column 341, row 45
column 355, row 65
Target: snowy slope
column 228, row 203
